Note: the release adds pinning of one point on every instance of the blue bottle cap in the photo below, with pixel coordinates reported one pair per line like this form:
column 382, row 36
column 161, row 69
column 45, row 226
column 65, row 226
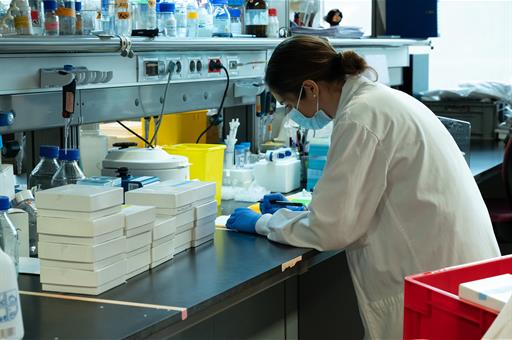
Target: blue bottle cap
column 69, row 154
column 1, row 144
column 234, row 12
column 239, row 147
column 50, row 5
column 236, row 2
column 246, row 144
column 6, row 118
column 78, row 6
column 167, row 7
column 219, row 2
column 5, row 203
column 49, row 151
column 68, row 67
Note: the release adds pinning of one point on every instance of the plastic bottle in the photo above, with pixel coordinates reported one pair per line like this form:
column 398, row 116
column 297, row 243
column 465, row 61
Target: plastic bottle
column 236, row 23
column 51, row 20
column 192, row 19
column 107, row 16
column 181, row 18
column 41, row 176
column 9, row 241
column 67, row 17
column 205, row 21
column 151, row 20
column 273, row 24
column 11, row 323
column 37, row 16
column 25, row 201
column 22, row 17
column 221, row 17
column 78, row 13
column 239, row 156
column 256, row 18
column 69, row 172
column 123, row 22
column 167, row 19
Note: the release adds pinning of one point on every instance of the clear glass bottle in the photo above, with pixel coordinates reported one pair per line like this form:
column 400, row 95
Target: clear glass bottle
column 256, row 18
column 51, row 21
column 22, row 17
column 151, row 21
column 192, row 21
column 25, row 201
column 78, row 13
column 37, row 16
column 273, row 24
column 67, row 17
column 205, row 20
column 181, row 18
column 236, row 23
column 69, row 172
column 12, row 323
column 221, row 17
column 123, row 22
column 107, row 16
column 167, row 19
column 9, row 241
column 41, row 176
column 141, row 12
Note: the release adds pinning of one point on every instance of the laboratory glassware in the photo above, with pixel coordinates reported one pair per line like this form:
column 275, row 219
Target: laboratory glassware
column 9, row 241
column 69, row 172
column 41, row 176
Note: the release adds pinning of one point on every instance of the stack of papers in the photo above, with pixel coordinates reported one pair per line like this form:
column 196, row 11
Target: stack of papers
column 346, row 32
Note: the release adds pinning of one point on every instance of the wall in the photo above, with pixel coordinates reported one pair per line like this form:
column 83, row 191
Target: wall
column 475, row 43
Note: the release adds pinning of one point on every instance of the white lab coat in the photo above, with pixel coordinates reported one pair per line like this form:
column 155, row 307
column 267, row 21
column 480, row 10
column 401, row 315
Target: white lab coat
column 397, row 194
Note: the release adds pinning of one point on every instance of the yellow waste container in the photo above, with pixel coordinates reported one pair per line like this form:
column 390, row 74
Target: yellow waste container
column 207, row 162
column 178, row 128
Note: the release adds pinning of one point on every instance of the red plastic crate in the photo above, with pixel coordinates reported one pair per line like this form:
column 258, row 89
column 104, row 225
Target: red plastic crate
column 433, row 310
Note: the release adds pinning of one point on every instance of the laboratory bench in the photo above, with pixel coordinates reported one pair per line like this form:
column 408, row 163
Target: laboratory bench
column 239, row 286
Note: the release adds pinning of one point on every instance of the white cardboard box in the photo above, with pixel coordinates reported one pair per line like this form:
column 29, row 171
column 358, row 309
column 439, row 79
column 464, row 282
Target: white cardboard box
column 161, row 261
column 138, row 261
column 164, row 226
column 92, row 266
column 493, row 292
column 182, row 209
column 85, row 290
column 82, row 278
column 79, row 227
column 182, row 238
column 139, row 230
column 86, row 241
column 85, row 198
column 162, row 240
column 203, row 228
column 171, row 194
column 79, row 253
column 162, row 250
column 137, row 272
column 197, row 243
column 81, row 215
column 183, row 228
column 206, row 210
column 138, row 241
column 138, row 251
column 138, row 215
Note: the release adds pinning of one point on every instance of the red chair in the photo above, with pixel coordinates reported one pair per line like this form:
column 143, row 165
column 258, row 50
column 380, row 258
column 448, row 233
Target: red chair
column 500, row 210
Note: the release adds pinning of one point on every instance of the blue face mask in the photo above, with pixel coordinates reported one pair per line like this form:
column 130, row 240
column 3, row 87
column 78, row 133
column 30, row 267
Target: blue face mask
column 318, row 121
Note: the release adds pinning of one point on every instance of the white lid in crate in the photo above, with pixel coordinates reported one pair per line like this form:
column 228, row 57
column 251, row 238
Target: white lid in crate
column 492, row 292
column 78, row 253
column 138, row 215
column 171, row 194
column 82, row 278
column 145, row 159
column 83, row 198
column 79, row 227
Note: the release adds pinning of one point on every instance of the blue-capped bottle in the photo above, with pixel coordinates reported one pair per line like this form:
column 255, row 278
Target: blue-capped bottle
column 67, row 17
column 221, row 17
column 9, row 241
column 69, row 172
column 41, row 177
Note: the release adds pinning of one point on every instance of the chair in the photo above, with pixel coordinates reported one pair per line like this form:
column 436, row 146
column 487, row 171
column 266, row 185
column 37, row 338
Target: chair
column 500, row 210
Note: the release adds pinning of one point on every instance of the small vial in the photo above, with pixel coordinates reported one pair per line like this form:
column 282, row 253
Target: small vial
column 51, row 19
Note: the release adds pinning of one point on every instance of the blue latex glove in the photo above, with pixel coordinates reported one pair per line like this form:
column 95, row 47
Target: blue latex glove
column 243, row 219
column 266, row 207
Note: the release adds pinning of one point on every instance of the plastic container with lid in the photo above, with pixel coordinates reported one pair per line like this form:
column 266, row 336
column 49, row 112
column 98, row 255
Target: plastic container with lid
column 93, row 149
column 221, row 17
column 41, row 176
column 146, row 162
column 51, row 19
column 22, row 17
column 69, row 172
column 9, row 241
column 236, row 23
column 167, row 22
column 273, row 24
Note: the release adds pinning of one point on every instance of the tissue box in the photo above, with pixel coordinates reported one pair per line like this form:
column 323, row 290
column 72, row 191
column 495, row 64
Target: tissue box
column 82, row 198
column 493, row 292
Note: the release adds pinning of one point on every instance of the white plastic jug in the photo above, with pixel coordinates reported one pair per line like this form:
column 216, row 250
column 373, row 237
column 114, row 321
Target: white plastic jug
column 11, row 321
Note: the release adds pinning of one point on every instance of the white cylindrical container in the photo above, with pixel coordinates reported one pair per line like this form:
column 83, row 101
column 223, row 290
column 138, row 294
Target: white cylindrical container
column 93, row 149
column 11, row 322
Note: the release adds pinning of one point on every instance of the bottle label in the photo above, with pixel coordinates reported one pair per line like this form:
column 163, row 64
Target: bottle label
column 65, row 12
column 122, row 4
column 21, row 22
column 51, row 26
column 123, row 15
column 9, row 307
column 152, row 3
column 254, row 17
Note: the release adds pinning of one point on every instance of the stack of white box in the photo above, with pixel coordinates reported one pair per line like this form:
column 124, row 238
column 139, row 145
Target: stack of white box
column 162, row 248
column 139, row 224
column 81, row 239
column 179, row 199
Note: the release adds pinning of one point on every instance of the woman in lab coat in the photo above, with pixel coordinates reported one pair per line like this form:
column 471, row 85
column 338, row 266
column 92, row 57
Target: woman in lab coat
column 396, row 192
